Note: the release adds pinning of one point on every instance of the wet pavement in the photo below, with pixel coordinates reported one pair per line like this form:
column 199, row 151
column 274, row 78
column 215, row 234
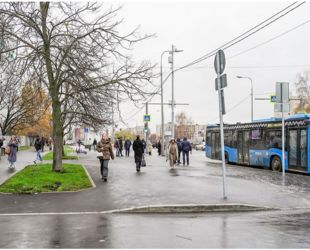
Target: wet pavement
column 286, row 229
column 157, row 184
column 199, row 183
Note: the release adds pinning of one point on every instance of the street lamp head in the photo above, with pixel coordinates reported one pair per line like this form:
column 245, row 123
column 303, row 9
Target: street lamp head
column 239, row 76
column 178, row 50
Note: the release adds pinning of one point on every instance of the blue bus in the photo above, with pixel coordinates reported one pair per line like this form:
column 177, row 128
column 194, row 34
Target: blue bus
column 259, row 143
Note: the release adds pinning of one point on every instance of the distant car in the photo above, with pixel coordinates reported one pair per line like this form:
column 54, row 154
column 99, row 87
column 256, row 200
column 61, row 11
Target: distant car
column 69, row 142
column 200, row 147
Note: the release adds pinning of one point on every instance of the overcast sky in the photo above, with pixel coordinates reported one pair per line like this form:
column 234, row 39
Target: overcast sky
column 200, row 27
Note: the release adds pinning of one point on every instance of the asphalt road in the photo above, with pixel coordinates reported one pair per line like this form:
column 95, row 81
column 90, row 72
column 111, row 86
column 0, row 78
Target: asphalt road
column 214, row 230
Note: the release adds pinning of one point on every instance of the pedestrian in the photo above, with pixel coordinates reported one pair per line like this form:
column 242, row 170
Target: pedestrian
column 1, row 143
column 159, row 147
column 13, row 144
column 42, row 144
column 95, row 144
column 18, row 142
column 79, row 142
column 116, row 146
column 149, row 148
column 144, row 145
column 137, row 147
column 186, row 148
column 172, row 153
column 104, row 146
column 50, row 143
column 179, row 143
column 127, row 146
column 120, row 146
column 38, row 147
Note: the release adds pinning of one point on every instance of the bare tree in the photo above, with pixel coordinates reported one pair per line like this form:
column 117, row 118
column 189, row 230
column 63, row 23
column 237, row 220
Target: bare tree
column 184, row 127
column 303, row 92
column 21, row 102
column 78, row 53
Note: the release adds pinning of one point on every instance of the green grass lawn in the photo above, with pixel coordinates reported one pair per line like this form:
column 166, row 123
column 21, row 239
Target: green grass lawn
column 20, row 148
column 40, row 178
column 68, row 150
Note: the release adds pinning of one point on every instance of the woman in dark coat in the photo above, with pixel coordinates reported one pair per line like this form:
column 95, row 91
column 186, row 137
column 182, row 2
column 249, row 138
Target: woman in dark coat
column 138, row 149
column 13, row 152
column 159, row 147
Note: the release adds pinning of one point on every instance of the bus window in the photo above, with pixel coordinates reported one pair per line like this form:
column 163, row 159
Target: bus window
column 256, row 134
column 208, row 138
column 228, row 138
column 303, row 148
column 293, row 157
column 274, row 139
column 234, row 139
column 257, row 139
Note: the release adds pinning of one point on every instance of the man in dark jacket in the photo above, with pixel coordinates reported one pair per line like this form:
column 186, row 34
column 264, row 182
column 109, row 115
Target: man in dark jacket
column 179, row 144
column 120, row 144
column 159, row 147
column 127, row 146
column 186, row 147
column 95, row 143
column 38, row 147
column 138, row 149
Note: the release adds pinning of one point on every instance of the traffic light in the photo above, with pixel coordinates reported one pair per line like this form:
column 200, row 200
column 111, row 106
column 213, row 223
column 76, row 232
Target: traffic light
column 145, row 127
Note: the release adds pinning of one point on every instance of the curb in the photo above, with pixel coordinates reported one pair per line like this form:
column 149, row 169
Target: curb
column 213, row 161
column 89, row 177
column 194, row 208
column 162, row 209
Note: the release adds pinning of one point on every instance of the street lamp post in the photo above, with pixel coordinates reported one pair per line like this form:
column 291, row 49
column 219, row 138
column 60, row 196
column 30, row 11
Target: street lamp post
column 162, row 105
column 246, row 77
column 171, row 61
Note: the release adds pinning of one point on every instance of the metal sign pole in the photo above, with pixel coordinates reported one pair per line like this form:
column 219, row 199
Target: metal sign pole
column 221, row 128
column 222, row 144
column 147, row 124
column 283, row 142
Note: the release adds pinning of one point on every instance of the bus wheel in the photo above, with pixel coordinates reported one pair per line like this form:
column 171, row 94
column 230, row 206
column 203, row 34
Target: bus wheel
column 276, row 164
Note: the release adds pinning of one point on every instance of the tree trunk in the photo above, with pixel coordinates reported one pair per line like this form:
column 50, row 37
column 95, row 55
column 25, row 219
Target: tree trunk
column 54, row 91
column 57, row 136
column 63, row 147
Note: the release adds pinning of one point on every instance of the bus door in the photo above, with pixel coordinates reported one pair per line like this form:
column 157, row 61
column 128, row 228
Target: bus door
column 215, row 142
column 243, row 147
column 297, row 148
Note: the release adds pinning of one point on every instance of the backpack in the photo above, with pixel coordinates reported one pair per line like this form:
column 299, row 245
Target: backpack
column 179, row 146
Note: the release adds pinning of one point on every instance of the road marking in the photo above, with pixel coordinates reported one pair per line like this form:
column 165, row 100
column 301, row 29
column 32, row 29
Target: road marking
column 182, row 237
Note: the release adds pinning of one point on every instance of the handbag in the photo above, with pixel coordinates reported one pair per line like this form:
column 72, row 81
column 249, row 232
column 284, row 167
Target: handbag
column 143, row 163
column 7, row 150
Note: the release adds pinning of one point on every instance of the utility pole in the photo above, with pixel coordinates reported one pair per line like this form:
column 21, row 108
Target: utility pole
column 162, row 125
column 146, row 127
column 172, row 92
column 113, row 125
column 171, row 61
column 162, row 105
column 252, row 97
